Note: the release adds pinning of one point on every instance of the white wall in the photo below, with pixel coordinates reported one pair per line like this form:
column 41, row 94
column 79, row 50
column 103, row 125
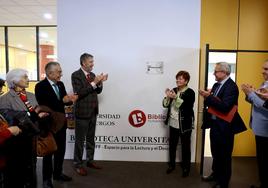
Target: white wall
column 123, row 36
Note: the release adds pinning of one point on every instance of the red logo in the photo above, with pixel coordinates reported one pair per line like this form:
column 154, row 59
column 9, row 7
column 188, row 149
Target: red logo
column 137, row 118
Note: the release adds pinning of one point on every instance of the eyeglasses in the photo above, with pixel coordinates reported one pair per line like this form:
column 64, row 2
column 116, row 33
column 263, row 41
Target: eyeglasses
column 216, row 71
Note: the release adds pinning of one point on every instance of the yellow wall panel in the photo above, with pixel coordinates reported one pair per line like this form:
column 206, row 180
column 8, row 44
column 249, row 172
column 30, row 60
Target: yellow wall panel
column 249, row 70
column 219, row 23
column 253, row 25
column 242, row 25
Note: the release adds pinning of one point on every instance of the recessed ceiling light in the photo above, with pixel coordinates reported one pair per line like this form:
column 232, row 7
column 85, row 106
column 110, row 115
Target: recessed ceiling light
column 47, row 16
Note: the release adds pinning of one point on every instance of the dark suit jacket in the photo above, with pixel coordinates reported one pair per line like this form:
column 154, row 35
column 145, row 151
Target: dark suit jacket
column 87, row 104
column 46, row 96
column 228, row 96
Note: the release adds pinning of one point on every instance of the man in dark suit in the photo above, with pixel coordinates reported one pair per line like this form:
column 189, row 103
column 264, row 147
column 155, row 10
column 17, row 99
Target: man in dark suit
column 51, row 92
column 223, row 97
column 87, row 86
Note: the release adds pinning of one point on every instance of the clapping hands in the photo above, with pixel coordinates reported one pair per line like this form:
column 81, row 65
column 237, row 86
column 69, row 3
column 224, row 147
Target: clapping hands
column 170, row 93
column 204, row 93
column 262, row 92
column 70, row 98
column 246, row 88
column 100, row 78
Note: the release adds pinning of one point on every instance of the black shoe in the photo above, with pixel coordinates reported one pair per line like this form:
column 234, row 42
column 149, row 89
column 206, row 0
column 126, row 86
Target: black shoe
column 209, row 178
column 62, row 177
column 185, row 173
column 170, row 169
column 47, row 184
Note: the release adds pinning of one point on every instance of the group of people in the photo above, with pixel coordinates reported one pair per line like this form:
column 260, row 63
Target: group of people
column 21, row 110
column 223, row 99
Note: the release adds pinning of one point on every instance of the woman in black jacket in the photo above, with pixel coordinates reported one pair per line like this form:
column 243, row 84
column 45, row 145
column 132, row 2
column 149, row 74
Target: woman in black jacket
column 180, row 118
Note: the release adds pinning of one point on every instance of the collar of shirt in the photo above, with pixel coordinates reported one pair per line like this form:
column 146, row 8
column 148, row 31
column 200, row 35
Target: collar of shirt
column 223, row 81
column 51, row 82
column 264, row 84
column 221, row 84
column 85, row 72
column 183, row 90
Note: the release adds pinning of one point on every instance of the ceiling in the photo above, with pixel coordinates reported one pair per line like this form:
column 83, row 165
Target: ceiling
column 27, row 12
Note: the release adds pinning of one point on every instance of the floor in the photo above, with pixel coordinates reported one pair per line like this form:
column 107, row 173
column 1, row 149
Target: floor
column 117, row 174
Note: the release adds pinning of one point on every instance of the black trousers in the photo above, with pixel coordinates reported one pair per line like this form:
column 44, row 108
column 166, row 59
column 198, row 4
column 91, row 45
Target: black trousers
column 20, row 170
column 48, row 169
column 174, row 135
column 222, row 142
column 262, row 159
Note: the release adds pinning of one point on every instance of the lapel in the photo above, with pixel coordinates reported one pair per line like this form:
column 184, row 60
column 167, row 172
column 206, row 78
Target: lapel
column 224, row 86
column 50, row 89
column 83, row 76
column 17, row 99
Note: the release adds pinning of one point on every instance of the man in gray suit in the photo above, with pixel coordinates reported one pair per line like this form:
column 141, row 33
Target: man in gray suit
column 259, row 119
column 87, row 86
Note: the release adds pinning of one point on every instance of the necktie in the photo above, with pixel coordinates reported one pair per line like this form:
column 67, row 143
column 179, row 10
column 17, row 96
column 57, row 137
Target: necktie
column 217, row 87
column 89, row 78
column 56, row 89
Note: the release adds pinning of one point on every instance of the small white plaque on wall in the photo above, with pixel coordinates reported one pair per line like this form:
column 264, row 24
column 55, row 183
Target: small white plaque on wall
column 155, row 67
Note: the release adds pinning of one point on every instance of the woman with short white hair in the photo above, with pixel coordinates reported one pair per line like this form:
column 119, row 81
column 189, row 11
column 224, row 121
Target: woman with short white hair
column 20, row 150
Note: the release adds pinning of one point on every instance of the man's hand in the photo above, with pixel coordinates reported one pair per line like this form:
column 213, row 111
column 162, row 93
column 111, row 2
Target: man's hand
column 43, row 114
column 105, row 77
column 204, row 93
column 40, row 113
column 262, row 93
column 98, row 78
column 70, row 98
column 246, row 88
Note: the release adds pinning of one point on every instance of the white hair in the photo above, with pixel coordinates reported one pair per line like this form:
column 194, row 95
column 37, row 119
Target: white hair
column 224, row 66
column 14, row 76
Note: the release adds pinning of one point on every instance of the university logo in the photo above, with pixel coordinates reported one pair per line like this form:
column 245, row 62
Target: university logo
column 137, row 118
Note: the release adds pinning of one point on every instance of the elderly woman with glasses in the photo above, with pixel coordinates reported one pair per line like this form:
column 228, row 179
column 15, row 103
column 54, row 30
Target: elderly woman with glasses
column 20, row 151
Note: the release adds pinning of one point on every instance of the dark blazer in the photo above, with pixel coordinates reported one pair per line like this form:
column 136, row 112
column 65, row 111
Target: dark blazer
column 87, row 104
column 46, row 96
column 186, row 112
column 228, row 96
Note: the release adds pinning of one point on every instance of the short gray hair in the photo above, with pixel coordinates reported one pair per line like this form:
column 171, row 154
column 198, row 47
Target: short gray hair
column 49, row 66
column 224, row 66
column 14, row 76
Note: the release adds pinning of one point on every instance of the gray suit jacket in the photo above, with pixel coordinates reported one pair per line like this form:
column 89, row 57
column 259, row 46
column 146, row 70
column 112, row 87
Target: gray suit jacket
column 11, row 100
column 87, row 104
